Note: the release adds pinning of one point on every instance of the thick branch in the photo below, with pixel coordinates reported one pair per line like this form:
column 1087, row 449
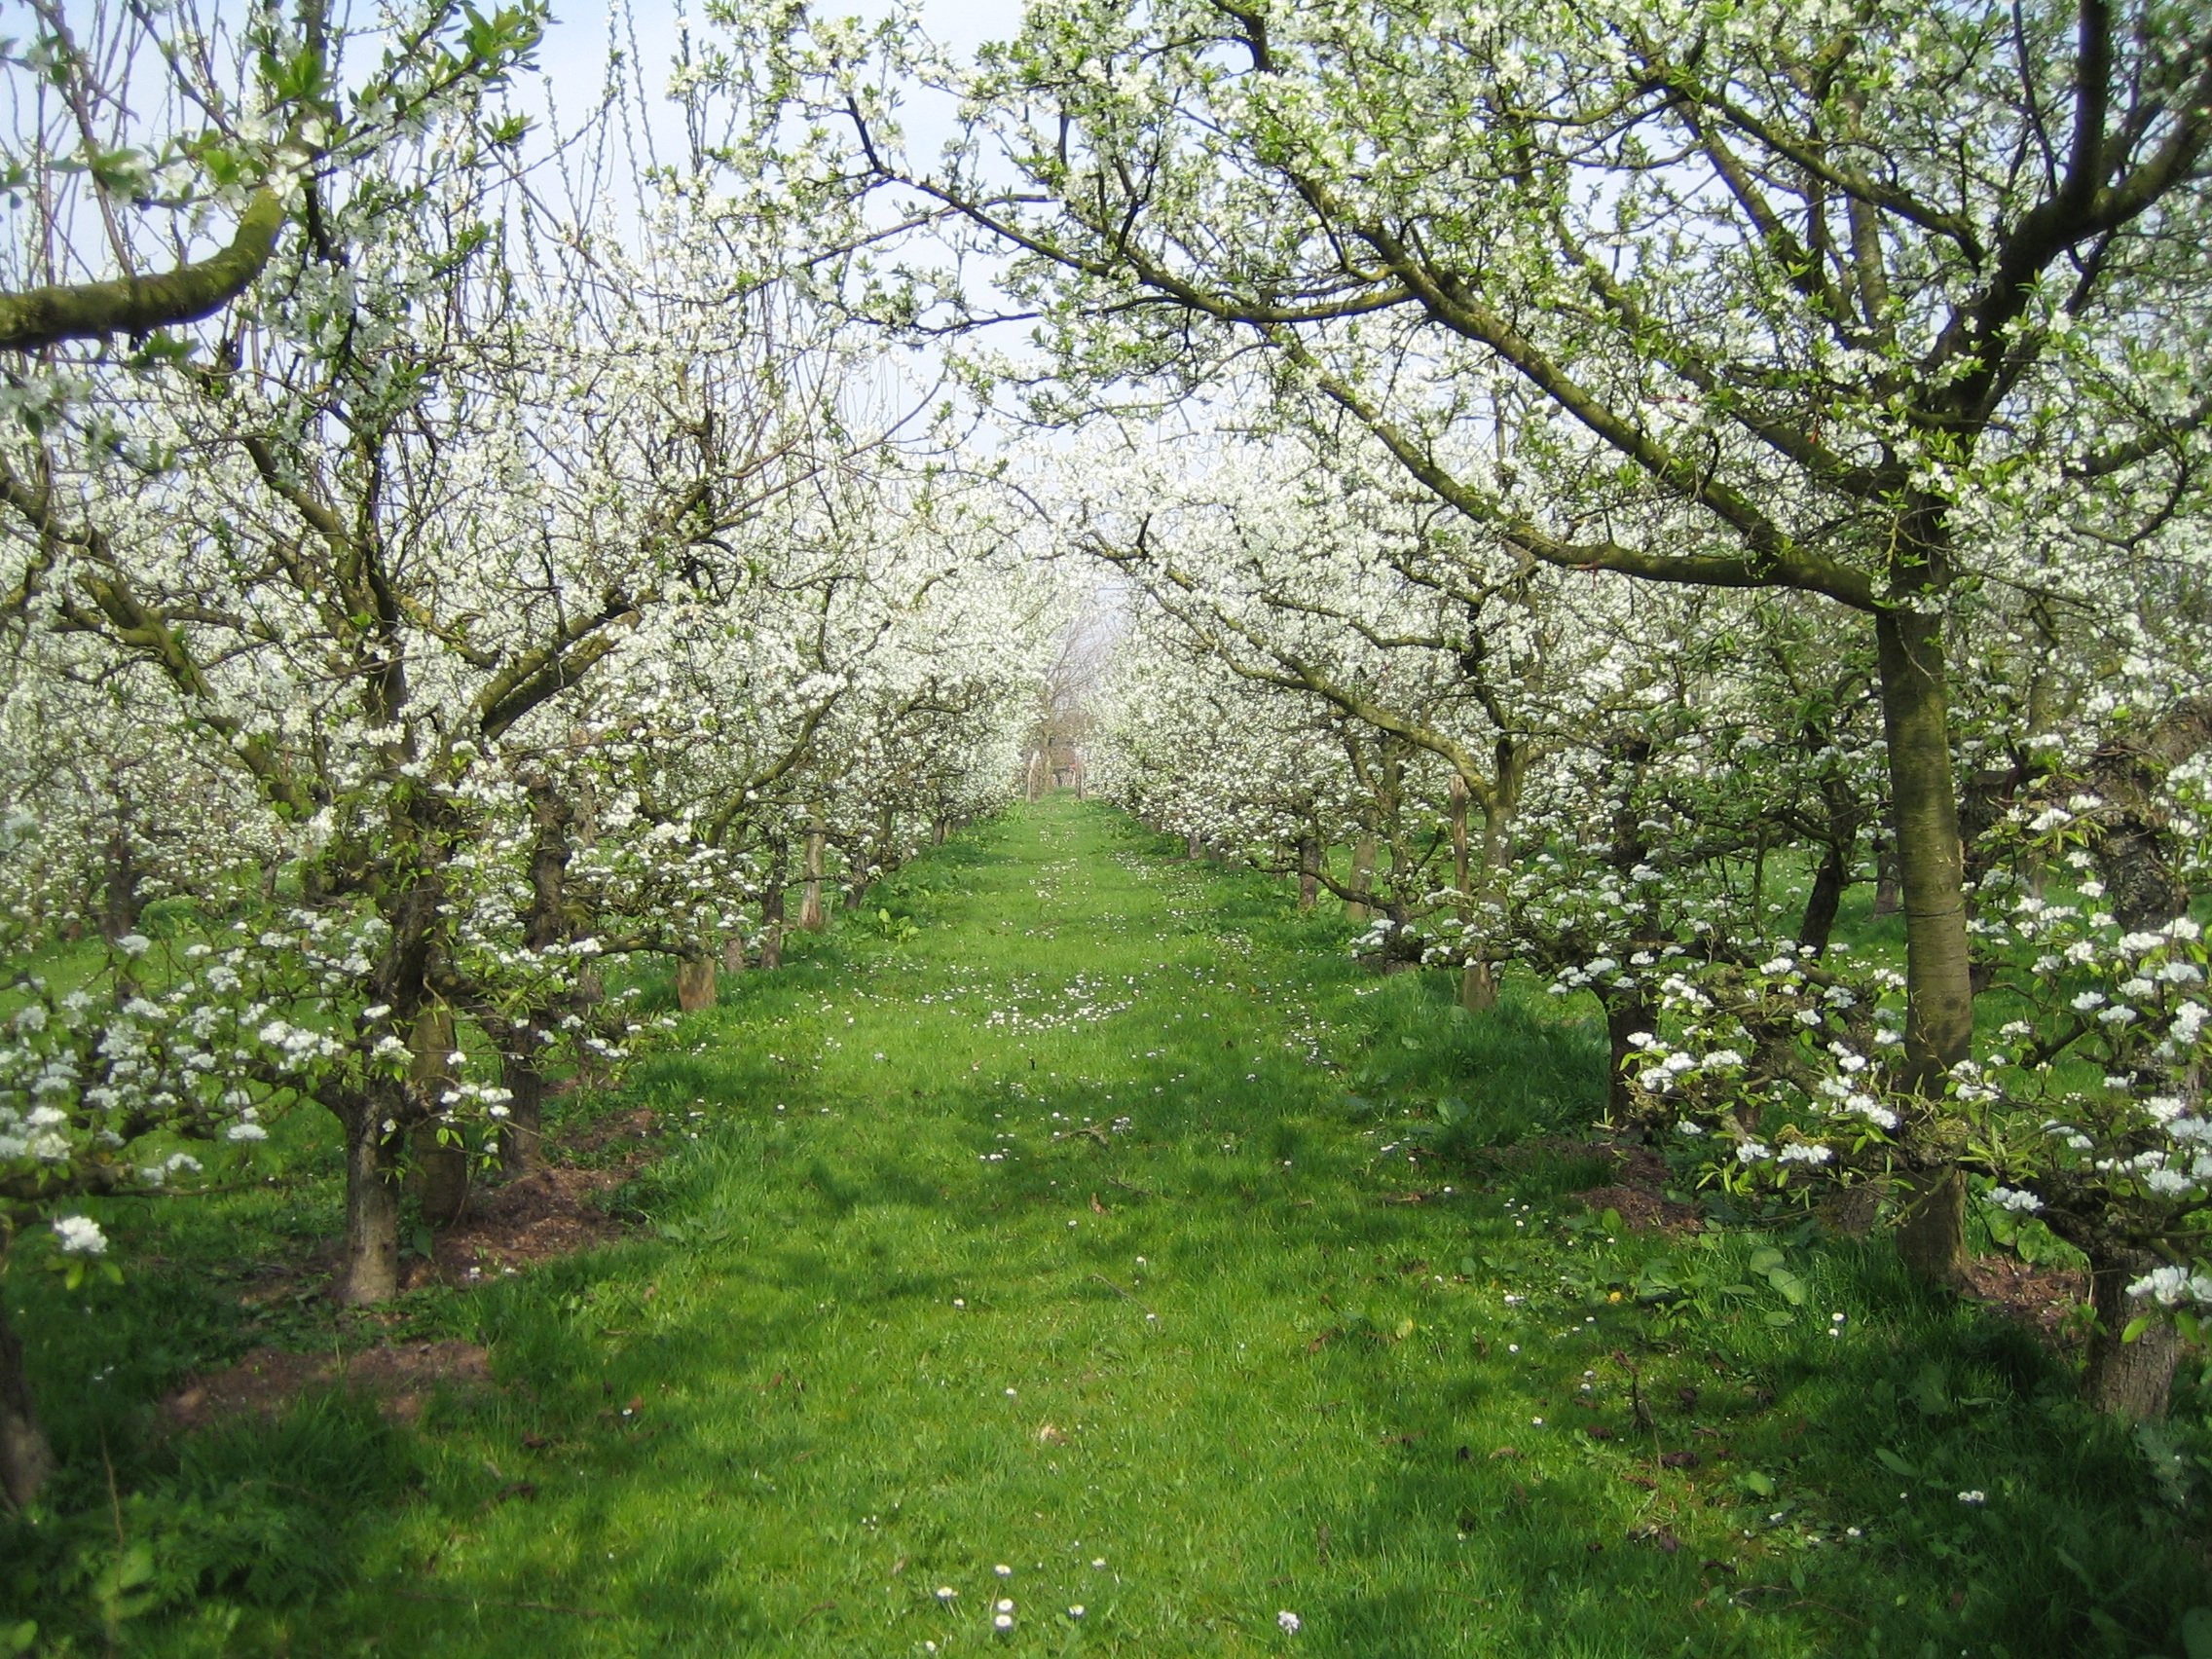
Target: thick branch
column 138, row 305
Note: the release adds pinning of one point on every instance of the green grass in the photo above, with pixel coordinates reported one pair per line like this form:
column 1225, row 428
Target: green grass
column 905, row 1305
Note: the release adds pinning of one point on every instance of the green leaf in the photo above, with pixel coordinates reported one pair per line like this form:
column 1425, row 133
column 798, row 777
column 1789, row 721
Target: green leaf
column 1896, row 1464
column 19, row 1637
column 1758, row 1485
column 135, row 1567
column 2136, row 1327
column 1930, row 1391
column 2196, row 1632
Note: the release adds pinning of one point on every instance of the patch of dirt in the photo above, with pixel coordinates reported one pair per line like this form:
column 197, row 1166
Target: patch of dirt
column 547, row 1213
column 401, row 1376
column 2048, row 1298
column 1643, row 1210
column 1640, row 1194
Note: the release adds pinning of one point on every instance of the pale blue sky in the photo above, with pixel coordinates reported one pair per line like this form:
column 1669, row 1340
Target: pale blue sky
column 575, row 52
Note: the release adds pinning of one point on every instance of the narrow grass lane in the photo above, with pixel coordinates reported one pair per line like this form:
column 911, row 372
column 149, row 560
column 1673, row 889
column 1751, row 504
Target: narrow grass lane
column 1043, row 1249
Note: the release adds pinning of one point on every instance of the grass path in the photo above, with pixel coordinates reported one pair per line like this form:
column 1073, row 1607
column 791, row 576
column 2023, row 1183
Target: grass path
column 1013, row 1248
column 1030, row 1248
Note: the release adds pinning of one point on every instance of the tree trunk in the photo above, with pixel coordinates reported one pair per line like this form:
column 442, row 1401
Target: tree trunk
column 695, row 983
column 811, row 915
column 1362, row 880
column 590, row 992
column 1932, row 1234
column 2140, row 883
column 2138, row 854
column 521, row 1132
column 121, row 901
column 1308, row 871
column 369, row 1269
column 26, row 1457
column 1190, row 846
column 1628, row 1015
column 2127, row 1379
column 1938, row 978
column 772, row 911
column 440, row 1159
column 1478, row 988
column 1889, row 885
column 1822, row 903
column 733, row 951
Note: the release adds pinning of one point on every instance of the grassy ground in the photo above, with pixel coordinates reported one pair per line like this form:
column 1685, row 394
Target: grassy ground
column 1076, row 1229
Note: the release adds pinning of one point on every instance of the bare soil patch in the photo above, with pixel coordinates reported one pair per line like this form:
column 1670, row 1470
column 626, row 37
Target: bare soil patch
column 549, row 1212
column 1643, row 1210
column 2048, row 1298
column 401, row 1376
column 552, row 1211
column 1639, row 1193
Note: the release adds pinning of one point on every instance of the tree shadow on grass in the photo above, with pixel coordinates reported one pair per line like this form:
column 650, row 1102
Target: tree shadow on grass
column 1922, row 1482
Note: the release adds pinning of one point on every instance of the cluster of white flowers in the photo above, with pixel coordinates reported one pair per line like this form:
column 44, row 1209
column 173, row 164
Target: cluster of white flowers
column 79, row 1236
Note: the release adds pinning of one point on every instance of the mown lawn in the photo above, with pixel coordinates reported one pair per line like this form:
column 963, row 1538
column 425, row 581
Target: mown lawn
column 1075, row 1229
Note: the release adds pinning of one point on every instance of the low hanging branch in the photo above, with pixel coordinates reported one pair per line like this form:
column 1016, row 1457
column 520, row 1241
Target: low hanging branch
column 138, row 305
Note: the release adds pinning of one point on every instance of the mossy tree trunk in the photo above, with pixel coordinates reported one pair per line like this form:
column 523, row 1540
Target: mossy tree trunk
column 696, row 987
column 771, row 949
column 439, row 1157
column 522, row 1041
column 1939, row 975
column 381, row 1117
column 123, row 896
column 811, row 914
column 2128, row 1380
column 368, row 1269
column 1362, row 883
column 521, row 1132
